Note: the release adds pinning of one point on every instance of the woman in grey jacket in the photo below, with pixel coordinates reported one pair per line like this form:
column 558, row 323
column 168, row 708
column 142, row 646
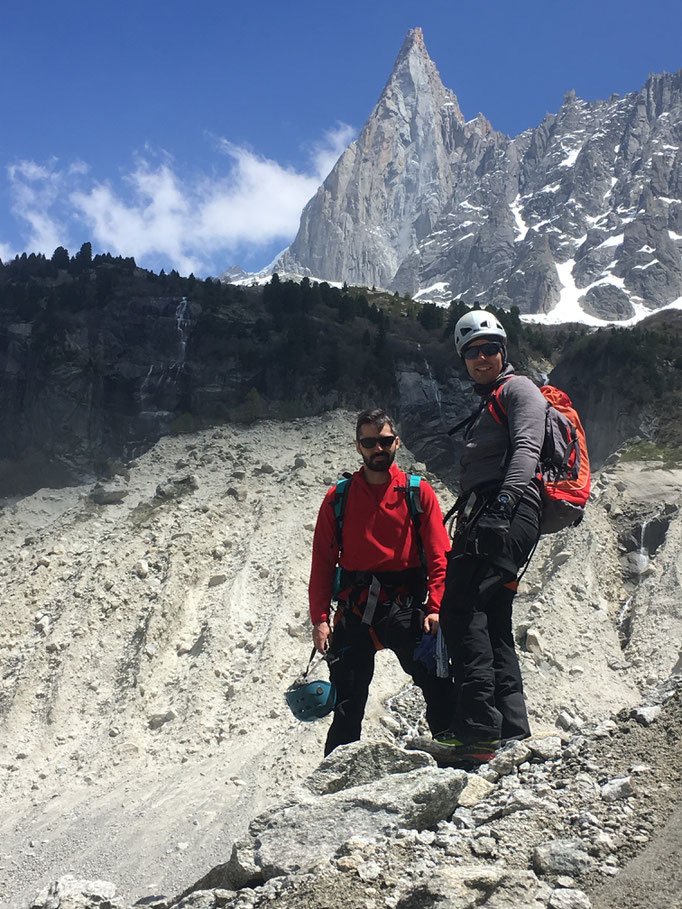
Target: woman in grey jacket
column 497, row 529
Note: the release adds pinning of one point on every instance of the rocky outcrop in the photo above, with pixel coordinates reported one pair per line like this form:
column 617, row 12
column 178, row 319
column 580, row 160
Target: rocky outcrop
column 70, row 893
column 89, row 380
column 311, row 825
column 585, row 207
column 539, row 828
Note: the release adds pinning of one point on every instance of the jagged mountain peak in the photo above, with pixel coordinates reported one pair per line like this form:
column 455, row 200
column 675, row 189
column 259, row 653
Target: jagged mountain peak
column 415, row 76
column 414, row 104
column 413, row 49
column 392, row 185
column 414, row 39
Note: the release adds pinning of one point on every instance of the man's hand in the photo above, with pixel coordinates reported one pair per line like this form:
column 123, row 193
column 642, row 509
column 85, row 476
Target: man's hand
column 321, row 632
column 493, row 525
column 431, row 622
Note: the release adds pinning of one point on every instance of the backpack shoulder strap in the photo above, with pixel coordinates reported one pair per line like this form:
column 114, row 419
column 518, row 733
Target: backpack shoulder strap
column 413, row 500
column 496, row 408
column 339, row 505
column 412, row 485
column 492, row 402
column 414, row 506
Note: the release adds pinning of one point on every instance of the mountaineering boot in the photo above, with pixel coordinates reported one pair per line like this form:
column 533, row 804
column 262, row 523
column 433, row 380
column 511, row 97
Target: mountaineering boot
column 449, row 751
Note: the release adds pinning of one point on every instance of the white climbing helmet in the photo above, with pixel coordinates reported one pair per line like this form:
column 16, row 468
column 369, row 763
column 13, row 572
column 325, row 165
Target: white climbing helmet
column 477, row 323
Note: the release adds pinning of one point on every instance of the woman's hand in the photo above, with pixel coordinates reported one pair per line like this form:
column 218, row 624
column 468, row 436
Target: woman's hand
column 492, row 527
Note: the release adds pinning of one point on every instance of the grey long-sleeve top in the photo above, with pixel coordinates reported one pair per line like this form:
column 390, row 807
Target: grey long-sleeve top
column 506, row 455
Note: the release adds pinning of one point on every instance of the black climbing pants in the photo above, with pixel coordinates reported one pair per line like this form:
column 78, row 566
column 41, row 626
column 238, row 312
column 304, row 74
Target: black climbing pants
column 476, row 620
column 351, row 667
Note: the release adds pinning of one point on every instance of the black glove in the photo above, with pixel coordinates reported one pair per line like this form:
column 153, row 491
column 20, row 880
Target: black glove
column 493, row 526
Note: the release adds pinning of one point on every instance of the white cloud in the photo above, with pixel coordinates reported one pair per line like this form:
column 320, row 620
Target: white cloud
column 157, row 219
column 258, row 202
column 36, row 191
column 157, row 215
column 6, row 252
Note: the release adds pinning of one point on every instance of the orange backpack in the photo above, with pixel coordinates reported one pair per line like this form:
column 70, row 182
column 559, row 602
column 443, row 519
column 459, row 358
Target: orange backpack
column 564, row 465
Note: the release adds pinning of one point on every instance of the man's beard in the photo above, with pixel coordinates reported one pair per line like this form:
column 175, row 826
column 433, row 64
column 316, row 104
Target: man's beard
column 379, row 462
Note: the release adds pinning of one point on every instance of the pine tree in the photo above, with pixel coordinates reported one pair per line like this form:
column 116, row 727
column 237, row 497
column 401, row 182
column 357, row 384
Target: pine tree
column 60, row 257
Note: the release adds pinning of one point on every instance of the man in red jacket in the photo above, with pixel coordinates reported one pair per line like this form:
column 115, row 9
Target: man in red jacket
column 386, row 597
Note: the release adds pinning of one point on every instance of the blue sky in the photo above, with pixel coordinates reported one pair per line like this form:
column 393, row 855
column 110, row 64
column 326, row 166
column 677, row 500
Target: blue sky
column 190, row 135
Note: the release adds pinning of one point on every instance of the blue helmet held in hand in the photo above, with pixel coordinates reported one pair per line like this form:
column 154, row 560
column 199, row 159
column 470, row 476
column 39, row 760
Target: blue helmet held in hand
column 310, row 701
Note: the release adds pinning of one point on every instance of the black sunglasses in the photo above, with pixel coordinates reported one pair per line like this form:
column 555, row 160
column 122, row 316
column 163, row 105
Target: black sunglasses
column 488, row 350
column 384, row 441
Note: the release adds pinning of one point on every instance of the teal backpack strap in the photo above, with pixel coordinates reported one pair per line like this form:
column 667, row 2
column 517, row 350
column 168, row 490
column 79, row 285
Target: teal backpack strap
column 413, row 482
column 339, row 506
column 413, row 500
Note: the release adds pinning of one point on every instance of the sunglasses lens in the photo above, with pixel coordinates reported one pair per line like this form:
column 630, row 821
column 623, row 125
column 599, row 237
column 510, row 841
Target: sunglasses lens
column 384, row 441
column 488, row 350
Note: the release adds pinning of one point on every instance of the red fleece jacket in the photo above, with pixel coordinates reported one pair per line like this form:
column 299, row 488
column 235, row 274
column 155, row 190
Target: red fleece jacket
column 378, row 535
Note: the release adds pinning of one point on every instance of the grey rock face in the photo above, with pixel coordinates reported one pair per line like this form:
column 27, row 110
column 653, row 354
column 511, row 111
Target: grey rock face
column 608, row 302
column 585, row 207
column 460, row 888
column 70, row 893
column 233, row 273
column 562, row 857
column 360, row 763
column 290, row 838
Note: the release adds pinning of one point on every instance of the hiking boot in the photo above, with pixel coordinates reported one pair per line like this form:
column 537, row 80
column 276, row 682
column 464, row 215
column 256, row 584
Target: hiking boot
column 449, row 751
column 478, row 752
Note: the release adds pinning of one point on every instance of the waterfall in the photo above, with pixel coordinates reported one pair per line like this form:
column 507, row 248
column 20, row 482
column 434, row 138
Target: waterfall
column 434, row 387
column 161, row 387
column 641, row 557
column 182, row 320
